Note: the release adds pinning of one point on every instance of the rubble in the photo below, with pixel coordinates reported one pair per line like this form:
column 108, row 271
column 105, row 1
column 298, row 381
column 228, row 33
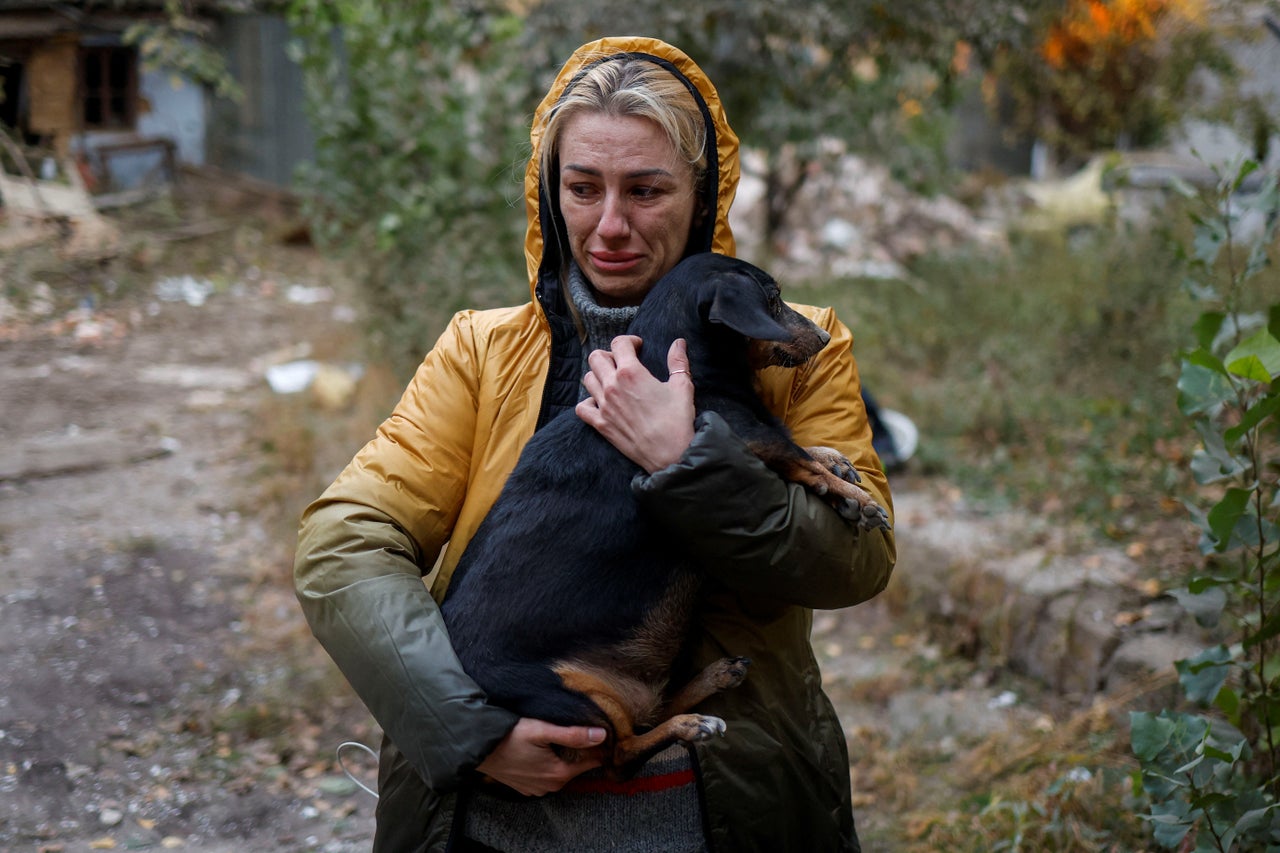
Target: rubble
column 57, row 197
column 851, row 219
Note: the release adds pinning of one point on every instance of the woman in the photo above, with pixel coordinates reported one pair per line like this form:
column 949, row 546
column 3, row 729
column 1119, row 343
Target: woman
column 634, row 166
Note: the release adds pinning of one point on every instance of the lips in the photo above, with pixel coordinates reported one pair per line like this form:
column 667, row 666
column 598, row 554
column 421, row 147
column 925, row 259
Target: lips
column 615, row 261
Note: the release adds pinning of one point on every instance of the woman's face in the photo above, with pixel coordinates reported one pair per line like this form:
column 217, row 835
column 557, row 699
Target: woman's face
column 628, row 203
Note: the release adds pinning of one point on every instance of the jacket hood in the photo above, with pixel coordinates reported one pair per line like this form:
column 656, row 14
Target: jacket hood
column 543, row 255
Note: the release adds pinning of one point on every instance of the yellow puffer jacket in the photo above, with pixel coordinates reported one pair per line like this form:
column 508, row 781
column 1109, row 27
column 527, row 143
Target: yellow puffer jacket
column 413, row 496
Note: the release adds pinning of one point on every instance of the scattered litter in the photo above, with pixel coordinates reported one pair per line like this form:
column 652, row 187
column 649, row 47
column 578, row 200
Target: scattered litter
column 1006, row 699
column 906, row 437
column 184, row 288
column 1079, row 774
column 332, row 385
column 197, row 376
column 292, row 376
column 300, row 294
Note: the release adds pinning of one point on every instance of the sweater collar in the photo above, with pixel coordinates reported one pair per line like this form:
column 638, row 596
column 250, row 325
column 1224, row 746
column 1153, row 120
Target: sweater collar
column 599, row 323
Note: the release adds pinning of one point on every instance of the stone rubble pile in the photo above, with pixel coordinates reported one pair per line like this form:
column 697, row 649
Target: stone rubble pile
column 852, row 219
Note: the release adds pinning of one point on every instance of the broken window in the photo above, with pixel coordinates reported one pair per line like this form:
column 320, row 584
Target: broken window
column 109, row 81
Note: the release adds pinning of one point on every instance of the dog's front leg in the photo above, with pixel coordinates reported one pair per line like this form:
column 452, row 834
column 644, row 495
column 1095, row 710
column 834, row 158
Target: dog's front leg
column 827, row 472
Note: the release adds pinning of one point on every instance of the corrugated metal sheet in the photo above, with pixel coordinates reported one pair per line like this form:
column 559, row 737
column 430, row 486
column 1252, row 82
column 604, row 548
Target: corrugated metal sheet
column 266, row 135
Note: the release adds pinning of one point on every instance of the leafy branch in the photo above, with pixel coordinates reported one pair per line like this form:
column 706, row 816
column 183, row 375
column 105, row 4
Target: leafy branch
column 1214, row 777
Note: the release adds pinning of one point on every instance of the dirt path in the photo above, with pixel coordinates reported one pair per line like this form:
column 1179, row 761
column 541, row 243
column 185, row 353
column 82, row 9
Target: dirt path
column 151, row 647
column 159, row 689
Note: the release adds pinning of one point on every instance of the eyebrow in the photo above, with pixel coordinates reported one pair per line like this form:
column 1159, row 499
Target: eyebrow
column 641, row 173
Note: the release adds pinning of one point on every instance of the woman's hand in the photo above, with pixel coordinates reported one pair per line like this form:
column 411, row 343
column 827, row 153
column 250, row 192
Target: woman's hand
column 648, row 420
column 525, row 761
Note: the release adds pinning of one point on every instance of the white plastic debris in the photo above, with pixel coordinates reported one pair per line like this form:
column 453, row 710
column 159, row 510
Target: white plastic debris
column 184, row 288
column 292, row 376
column 1007, row 699
column 300, row 294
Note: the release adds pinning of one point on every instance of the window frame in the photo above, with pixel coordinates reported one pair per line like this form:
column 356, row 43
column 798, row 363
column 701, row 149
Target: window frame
column 116, row 97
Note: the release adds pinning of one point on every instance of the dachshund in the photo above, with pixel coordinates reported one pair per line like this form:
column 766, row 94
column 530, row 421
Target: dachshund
column 568, row 605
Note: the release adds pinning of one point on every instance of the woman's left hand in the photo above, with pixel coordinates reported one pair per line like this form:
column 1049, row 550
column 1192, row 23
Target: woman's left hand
column 648, row 420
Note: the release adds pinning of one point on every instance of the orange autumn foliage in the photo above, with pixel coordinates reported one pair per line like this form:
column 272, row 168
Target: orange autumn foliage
column 1094, row 32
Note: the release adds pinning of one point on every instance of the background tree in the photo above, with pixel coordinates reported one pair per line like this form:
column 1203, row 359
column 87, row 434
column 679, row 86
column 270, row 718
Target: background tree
column 418, row 109
column 870, row 73
column 1111, row 73
column 421, row 109
column 178, row 42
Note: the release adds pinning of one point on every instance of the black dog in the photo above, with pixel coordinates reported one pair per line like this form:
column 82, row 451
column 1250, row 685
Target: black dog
column 568, row 605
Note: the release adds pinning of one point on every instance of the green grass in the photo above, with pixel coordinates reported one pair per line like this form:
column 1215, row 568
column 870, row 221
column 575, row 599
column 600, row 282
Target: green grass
column 1042, row 378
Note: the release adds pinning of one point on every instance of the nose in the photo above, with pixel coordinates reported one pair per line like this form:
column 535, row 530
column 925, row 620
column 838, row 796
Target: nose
column 614, row 221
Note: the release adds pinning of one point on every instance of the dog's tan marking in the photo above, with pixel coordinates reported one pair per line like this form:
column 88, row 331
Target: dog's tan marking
column 627, row 703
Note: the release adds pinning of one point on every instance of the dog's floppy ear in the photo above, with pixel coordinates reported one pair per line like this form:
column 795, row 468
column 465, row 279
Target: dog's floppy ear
column 737, row 301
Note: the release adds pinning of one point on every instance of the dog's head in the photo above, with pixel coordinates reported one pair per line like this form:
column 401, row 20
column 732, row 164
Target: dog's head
column 746, row 299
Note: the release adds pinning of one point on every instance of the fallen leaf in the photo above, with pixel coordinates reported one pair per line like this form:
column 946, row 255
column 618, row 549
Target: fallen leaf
column 918, row 827
column 102, row 844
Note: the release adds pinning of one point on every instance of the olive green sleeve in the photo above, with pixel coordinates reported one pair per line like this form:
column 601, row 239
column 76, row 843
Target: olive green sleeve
column 357, row 579
column 759, row 534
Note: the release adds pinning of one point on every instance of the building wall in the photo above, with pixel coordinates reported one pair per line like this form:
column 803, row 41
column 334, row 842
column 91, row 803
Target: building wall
column 51, row 82
column 266, row 134
column 176, row 109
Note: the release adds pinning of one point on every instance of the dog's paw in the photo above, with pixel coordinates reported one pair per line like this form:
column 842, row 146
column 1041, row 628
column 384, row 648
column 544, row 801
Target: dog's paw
column 873, row 517
column 868, row 515
column 730, row 672
column 835, row 462
column 709, row 727
column 693, row 728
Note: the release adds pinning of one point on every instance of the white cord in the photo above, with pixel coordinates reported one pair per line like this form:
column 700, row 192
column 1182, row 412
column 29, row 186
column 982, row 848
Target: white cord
column 350, row 776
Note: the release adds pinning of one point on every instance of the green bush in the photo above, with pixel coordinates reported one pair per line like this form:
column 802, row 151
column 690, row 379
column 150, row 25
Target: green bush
column 419, row 110
column 1040, row 377
column 1213, row 777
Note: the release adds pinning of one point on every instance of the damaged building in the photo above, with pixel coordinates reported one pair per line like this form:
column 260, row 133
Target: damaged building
column 76, row 90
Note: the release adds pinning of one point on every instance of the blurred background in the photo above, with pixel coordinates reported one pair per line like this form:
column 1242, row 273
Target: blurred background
column 230, row 230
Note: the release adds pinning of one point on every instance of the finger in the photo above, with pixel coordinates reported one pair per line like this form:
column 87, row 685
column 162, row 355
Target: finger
column 574, row 737
column 588, row 412
column 601, row 362
column 592, row 383
column 678, row 359
column 625, row 348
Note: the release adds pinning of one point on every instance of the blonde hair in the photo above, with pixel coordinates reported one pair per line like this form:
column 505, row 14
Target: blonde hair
column 622, row 85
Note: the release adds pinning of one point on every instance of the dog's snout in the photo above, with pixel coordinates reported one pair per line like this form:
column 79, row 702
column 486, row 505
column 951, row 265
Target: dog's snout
column 824, row 336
